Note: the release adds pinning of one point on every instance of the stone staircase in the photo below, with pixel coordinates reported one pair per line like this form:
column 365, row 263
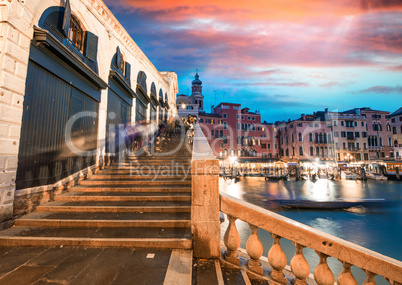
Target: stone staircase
column 137, row 202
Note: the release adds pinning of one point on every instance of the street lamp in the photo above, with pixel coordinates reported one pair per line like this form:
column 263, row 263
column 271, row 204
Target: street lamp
column 183, row 106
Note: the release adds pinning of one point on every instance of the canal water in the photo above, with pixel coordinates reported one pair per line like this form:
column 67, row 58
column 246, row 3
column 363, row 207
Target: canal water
column 378, row 229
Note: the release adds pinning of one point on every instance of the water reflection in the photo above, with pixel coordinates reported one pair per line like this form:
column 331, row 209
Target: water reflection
column 379, row 229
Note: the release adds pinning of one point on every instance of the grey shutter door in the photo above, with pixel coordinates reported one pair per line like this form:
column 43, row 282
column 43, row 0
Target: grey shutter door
column 66, row 18
column 91, row 46
column 128, row 71
column 118, row 58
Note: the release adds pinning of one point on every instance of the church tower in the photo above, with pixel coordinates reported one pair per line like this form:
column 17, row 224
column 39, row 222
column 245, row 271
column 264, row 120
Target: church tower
column 196, row 88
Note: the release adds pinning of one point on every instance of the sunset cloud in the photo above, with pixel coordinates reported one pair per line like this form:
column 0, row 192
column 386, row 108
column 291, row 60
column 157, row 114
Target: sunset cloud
column 317, row 49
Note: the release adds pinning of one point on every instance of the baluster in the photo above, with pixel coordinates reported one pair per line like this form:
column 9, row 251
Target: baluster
column 369, row 278
column 277, row 259
column 254, row 250
column 322, row 274
column 299, row 265
column 346, row 276
column 232, row 241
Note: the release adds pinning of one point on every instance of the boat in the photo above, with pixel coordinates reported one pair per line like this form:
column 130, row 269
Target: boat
column 348, row 175
column 376, row 176
column 334, row 204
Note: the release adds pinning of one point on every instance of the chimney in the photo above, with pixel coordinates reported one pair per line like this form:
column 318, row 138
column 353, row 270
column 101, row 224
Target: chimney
column 288, row 120
column 212, row 109
column 326, row 110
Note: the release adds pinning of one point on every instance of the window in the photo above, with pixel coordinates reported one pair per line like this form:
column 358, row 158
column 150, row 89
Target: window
column 253, row 118
column 201, row 119
column 212, row 133
column 221, row 145
column 276, row 146
column 225, row 139
column 310, row 137
column 343, row 134
column 236, row 108
column 224, row 116
column 334, row 123
column 263, row 145
column 248, row 117
column 258, row 128
column 269, row 146
column 300, row 137
column 293, row 151
column 362, row 124
column 355, row 124
column 242, row 117
column 190, row 108
column 300, row 124
column 238, row 117
column 357, row 134
column 76, row 34
column 225, row 125
column 310, row 125
column 316, row 125
column 336, row 134
column 342, row 123
column 300, row 150
column 311, row 151
column 293, row 138
column 238, row 126
column 364, row 135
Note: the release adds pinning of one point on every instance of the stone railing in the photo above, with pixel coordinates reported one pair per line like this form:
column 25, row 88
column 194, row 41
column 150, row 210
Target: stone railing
column 325, row 245
column 205, row 223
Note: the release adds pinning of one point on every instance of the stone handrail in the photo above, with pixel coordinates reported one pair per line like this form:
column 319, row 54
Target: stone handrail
column 325, row 245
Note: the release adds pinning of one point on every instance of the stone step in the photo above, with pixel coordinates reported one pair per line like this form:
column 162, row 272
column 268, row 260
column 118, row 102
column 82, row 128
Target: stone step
column 151, row 177
column 101, row 223
column 131, row 189
column 114, row 209
column 172, row 243
column 139, row 216
column 98, row 232
column 171, row 183
column 179, row 271
column 71, row 198
column 157, row 158
column 127, row 193
column 146, row 170
column 154, row 162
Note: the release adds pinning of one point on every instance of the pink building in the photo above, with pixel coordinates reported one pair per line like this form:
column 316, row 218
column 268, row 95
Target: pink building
column 306, row 138
column 232, row 131
column 379, row 134
column 396, row 129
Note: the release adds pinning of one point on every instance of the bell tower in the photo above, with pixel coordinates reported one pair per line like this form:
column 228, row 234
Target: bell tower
column 196, row 89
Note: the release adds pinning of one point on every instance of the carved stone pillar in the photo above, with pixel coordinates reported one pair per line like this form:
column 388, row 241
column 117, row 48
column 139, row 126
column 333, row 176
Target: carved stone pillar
column 322, row 274
column 277, row 259
column 254, row 250
column 232, row 241
column 346, row 276
column 369, row 278
column 299, row 266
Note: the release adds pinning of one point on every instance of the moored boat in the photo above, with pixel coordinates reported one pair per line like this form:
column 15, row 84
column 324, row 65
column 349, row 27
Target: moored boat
column 348, row 175
column 375, row 176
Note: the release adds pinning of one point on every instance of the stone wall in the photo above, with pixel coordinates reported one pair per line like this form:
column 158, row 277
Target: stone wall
column 17, row 19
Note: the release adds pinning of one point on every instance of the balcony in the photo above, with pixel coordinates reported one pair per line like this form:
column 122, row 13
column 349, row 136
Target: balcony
column 374, row 148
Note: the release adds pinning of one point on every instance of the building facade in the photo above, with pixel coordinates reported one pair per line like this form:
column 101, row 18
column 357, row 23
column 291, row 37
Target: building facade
column 379, row 135
column 233, row 131
column 307, row 138
column 396, row 130
column 71, row 79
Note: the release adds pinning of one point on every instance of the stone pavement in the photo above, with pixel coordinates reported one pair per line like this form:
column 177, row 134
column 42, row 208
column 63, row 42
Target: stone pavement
column 69, row 265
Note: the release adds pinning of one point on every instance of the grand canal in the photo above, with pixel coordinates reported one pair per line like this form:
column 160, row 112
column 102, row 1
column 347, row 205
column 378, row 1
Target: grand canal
column 378, row 229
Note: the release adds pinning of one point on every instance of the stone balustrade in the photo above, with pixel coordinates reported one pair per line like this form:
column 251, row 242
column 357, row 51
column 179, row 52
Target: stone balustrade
column 325, row 245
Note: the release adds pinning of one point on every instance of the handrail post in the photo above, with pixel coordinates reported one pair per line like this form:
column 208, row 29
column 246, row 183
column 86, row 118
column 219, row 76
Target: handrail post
column 205, row 222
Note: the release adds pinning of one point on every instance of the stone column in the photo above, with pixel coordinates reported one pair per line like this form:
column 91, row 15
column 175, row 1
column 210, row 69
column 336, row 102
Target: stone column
column 15, row 39
column 205, row 224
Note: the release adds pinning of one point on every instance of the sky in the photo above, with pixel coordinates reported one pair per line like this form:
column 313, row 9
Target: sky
column 283, row 58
